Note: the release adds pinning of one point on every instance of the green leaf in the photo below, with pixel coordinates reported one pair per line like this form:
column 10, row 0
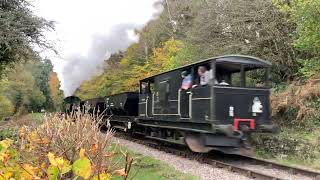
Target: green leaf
column 53, row 173
column 82, row 168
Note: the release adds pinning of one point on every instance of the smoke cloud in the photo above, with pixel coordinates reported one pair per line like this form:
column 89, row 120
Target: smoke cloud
column 79, row 68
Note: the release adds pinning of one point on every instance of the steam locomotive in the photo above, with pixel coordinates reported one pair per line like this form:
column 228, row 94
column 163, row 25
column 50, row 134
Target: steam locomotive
column 215, row 116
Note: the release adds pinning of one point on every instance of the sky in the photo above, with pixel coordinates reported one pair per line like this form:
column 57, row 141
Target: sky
column 88, row 31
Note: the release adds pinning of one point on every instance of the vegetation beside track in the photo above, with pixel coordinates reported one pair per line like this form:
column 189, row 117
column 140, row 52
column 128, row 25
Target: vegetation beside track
column 296, row 110
column 27, row 142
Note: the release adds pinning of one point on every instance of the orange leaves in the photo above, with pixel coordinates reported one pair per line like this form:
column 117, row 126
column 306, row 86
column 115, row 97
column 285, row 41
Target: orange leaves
column 54, row 84
column 54, row 87
column 4, row 157
column 94, row 148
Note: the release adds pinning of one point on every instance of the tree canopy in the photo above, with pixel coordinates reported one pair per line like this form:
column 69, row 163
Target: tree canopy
column 190, row 30
column 20, row 32
column 24, row 75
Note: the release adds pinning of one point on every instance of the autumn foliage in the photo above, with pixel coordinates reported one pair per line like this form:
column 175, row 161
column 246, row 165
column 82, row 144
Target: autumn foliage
column 61, row 148
column 125, row 75
column 55, row 93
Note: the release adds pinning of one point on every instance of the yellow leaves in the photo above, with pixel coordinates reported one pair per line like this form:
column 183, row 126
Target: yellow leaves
column 6, row 143
column 62, row 164
column 172, row 47
column 103, row 176
column 81, row 153
column 34, row 137
column 5, row 176
column 4, row 152
column 29, row 172
column 82, row 167
column 33, row 159
column 6, row 173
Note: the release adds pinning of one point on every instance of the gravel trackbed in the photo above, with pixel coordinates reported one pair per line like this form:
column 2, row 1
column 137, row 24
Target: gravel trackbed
column 205, row 172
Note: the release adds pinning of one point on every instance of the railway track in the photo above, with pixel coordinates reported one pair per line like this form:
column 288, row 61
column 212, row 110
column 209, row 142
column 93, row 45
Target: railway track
column 244, row 165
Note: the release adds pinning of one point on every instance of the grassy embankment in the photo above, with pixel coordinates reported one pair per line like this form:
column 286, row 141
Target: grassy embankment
column 145, row 167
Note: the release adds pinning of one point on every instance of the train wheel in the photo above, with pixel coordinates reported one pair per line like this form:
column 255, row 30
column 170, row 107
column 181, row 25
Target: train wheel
column 194, row 143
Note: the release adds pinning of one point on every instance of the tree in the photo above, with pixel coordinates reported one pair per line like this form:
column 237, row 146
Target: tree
column 20, row 31
column 23, row 92
column 56, row 93
column 41, row 71
column 305, row 14
column 5, row 104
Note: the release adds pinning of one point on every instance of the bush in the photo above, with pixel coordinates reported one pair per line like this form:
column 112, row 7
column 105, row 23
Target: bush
column 285, row 146
column 6, row 107
column 311, row 68
column 299, row 102
column 10, row 133
column 61, row 148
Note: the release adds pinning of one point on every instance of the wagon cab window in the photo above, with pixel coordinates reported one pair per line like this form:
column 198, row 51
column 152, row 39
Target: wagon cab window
column 202, row 75
column 146, row 87
column 250, row 75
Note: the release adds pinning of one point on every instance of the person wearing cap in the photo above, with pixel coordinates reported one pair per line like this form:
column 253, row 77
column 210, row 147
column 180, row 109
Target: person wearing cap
column 186, row 80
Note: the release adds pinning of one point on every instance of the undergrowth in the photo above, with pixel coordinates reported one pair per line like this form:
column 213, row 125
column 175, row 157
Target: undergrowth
column 61, row 148
column 296, row 109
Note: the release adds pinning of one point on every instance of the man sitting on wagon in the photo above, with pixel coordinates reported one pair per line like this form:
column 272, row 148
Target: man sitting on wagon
column 205, row 76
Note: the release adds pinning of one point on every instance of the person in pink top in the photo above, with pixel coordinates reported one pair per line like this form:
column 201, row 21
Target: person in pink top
column 186, row 80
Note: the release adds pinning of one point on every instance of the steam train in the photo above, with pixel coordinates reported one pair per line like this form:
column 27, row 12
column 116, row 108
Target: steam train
column 215, row 116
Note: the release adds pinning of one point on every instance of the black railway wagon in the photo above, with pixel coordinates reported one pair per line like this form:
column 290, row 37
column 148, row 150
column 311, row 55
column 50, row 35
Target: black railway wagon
column 121, row 110
column 219, row 115
column 70, row 104
column 95, row 106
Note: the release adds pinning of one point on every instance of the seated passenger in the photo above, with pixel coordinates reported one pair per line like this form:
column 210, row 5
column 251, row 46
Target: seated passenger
column 186, row 80
column 205, row 76
column 144, row 88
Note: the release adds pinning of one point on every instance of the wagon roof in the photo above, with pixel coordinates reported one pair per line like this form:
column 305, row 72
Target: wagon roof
column 71, row 99
column 242, row 59
column 103, row 98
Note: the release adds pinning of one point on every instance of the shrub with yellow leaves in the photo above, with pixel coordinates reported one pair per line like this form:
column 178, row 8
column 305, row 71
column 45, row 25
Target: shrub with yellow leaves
column 61, row 148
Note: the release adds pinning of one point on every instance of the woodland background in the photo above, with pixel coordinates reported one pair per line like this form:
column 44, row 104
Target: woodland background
column 284, row 32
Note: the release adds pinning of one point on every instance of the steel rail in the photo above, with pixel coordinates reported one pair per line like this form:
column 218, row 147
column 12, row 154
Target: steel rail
column 230, row 167
column 291, row 169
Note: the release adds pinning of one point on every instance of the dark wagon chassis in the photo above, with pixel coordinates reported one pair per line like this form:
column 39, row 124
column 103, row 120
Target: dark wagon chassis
column 213, row 116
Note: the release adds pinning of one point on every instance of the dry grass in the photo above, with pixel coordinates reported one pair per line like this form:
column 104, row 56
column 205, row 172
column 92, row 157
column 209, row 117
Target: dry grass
column 296, row 96
column 64, row 137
